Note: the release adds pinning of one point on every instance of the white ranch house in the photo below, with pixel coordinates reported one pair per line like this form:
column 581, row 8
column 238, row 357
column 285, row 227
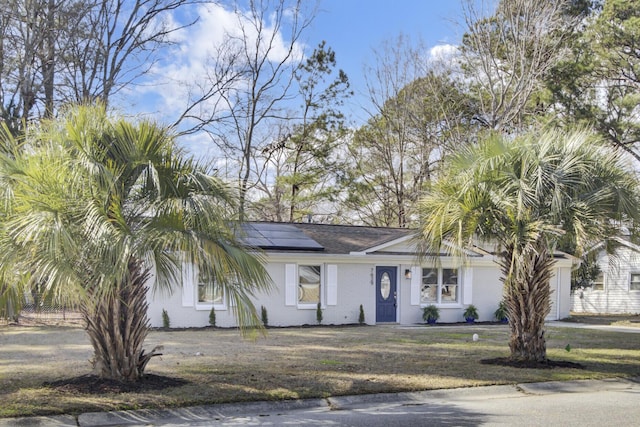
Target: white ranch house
column 617, row 289
column 343, row 267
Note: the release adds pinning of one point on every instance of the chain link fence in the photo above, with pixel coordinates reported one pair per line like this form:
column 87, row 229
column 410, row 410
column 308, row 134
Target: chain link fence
column 37, row 310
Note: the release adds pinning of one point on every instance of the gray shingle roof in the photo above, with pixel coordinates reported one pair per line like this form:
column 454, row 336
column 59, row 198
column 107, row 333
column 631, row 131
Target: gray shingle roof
column 333, row 239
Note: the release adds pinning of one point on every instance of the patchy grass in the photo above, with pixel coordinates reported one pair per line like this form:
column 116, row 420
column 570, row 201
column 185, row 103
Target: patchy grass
column 627, row 320
column 290, row 363
column 330, row 362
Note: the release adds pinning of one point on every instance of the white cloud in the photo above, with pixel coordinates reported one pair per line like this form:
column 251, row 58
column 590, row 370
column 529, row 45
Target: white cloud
column 183, row 68
column 443, row 52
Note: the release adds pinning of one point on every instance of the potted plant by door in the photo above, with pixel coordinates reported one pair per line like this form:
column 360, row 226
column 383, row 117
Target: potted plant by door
column 430, row 314
column 501, row 313
column 471, row 313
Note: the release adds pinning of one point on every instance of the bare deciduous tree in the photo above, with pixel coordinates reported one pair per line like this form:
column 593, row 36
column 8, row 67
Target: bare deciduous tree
column 24, row 35
column 507, row 54
column 304, row 159
column 60, row 51
column 416, row 114
column 389, row 149
column 249, row 85
column 118, row 42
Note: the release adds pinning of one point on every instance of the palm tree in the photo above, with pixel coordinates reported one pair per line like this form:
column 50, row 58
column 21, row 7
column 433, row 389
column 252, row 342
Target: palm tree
column 529, row 196
column 12, row 282
column 99, row 209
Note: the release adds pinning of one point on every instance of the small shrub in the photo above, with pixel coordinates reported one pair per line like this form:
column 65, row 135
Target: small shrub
column 166, row 322
column 212, row 317
column 471, row 313
column 319, row 314
column 361, row 315
column 265, row 317
column 430, row 314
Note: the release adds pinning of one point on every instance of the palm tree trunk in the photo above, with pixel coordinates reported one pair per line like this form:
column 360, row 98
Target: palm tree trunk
column 527, row 297
column 117, row 325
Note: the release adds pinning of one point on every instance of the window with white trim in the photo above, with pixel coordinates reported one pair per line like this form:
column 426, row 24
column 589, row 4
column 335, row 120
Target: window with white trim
column 210, row 295
column 598, row 282
column 439, row 286
column 309, row 280
column 634, row 282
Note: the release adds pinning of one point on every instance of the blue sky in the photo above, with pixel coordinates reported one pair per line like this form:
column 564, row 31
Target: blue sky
column 352, row 28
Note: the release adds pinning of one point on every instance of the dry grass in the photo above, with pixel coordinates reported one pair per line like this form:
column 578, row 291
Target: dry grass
column 295, row 363
column 626, row 320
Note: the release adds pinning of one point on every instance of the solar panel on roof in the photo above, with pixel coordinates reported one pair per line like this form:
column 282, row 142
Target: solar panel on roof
column 278, row 236
column 255, row 241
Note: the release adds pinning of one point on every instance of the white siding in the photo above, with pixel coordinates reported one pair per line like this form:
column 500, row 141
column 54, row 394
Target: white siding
column 553, row 287
column 487, row 292
column 467, row 285
column 616, row 297
column 348, row 281
column 416, row 281
column 188, row 285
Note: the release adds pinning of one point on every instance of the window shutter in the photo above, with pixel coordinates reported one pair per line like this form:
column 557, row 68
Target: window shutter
column 467, row 288
column 290, row 284
column 416, row 279
column 188, row 292
column 332, row 284
column 232, row 301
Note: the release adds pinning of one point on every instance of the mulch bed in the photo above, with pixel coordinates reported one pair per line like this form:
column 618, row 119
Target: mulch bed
column 92, row 384
column 526, row 364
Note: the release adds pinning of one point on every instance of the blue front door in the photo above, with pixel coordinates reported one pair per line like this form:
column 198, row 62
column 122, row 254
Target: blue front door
column 386, row 295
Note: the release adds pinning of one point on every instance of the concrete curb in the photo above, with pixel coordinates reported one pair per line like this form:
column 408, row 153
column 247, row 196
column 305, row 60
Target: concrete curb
column 578, row 386
column 194, row 413
column 220, row 411
column 419, row 397
column 52, row 421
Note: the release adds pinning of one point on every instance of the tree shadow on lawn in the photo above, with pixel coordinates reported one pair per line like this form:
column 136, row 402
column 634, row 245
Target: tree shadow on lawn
column 531, row 364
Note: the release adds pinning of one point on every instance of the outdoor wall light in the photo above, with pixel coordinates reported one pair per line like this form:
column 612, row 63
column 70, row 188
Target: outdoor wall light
column 407, row 274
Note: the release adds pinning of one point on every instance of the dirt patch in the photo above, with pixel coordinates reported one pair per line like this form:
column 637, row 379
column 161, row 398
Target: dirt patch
column 92, row 384
column 529, row 364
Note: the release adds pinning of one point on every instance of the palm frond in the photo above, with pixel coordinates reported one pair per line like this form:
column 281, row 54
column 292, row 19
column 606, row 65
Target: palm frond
column 94, row 194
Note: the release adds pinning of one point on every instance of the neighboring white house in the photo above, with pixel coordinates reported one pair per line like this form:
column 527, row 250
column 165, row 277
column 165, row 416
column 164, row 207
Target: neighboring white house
column 617, row 287
column 343, row 267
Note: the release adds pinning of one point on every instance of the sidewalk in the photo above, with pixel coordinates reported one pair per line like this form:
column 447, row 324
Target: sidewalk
column 561, row 324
